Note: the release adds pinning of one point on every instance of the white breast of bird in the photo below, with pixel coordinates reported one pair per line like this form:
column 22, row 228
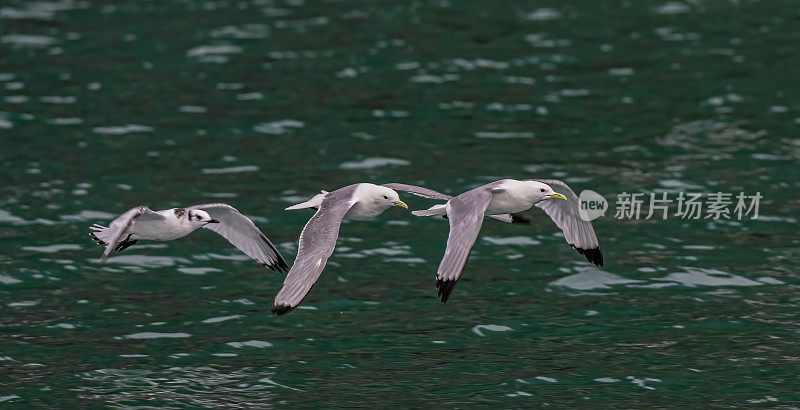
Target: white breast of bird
column 511, row 196
column 167, row 229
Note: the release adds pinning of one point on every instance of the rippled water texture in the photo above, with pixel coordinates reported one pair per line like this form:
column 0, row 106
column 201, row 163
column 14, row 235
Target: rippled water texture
column 259, row 103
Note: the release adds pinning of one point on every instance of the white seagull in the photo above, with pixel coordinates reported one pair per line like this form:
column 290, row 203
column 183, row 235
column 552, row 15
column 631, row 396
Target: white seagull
column 143, row 223
column 318, row 238
column 502, row 200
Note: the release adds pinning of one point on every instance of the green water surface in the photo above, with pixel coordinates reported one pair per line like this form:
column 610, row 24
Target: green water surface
column 105, row 105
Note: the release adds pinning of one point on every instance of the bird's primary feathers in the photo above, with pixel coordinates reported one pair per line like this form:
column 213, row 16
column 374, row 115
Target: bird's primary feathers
column 143, row 223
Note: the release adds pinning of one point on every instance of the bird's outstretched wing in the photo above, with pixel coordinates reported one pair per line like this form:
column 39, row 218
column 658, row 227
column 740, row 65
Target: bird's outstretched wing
column 418, row 191
column 317, row 241
column 242, row 233
column 113, row 235
column 465, row 213
column 431, row 194
column 579, row 233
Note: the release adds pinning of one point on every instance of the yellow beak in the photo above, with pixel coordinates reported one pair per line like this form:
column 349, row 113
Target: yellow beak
column 559, row 196
column 401, row 203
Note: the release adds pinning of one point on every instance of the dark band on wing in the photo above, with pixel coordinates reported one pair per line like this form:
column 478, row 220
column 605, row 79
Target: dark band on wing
column 593, row 255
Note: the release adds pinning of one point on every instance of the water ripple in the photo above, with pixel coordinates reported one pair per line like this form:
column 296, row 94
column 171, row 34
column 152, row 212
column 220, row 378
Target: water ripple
column 478, row 330
column 156, row 335
column 592, row 279
column 202, row 386
column 250, row 343
column 374, row 162
column 122, row 129
column 231, row 170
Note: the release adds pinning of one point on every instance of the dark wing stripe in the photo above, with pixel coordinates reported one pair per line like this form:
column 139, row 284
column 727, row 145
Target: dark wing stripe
column 579, row 233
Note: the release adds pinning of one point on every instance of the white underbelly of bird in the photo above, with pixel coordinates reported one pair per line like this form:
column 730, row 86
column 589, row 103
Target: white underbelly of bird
column 501, row 203
column 361, row 211
column 507, row 202
column 166, row 230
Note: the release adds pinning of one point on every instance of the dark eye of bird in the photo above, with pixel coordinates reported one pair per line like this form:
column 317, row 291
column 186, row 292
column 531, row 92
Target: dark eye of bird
column 542, row 189
column 385, row 197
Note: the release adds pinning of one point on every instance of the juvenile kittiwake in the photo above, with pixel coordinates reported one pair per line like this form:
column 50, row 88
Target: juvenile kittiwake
column 318, row 238
column 502, row 200
column 143, row 223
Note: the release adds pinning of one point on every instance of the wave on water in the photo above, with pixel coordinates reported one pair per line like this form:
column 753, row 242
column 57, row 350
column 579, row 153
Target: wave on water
column 593, row 279
column 202, row 386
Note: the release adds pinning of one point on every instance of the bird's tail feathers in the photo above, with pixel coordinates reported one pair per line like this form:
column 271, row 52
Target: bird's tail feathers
column 440, row 209
column 99, row 234
column 311, row 203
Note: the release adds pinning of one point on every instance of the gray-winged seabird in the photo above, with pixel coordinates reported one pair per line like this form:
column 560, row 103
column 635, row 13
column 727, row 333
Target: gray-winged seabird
column 502, row 200
column 143, row 223
column 318, row 238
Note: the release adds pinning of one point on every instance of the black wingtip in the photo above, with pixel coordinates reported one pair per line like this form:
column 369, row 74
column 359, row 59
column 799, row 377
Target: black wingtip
column 445, row 287
column 279, row 266
column 284, row 267
column 593, row 255
column 282, row 309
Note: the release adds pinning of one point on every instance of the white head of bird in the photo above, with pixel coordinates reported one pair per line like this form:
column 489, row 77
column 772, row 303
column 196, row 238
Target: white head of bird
column 384, row 198
column 200, row 218
column 539, row 191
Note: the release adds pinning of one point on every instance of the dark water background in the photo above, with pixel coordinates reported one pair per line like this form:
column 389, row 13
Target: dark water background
column 259, row 103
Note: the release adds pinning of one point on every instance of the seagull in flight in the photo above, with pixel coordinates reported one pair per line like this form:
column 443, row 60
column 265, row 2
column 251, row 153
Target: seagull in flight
column 143, row 223
column 318, row 238
column 502, row 200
